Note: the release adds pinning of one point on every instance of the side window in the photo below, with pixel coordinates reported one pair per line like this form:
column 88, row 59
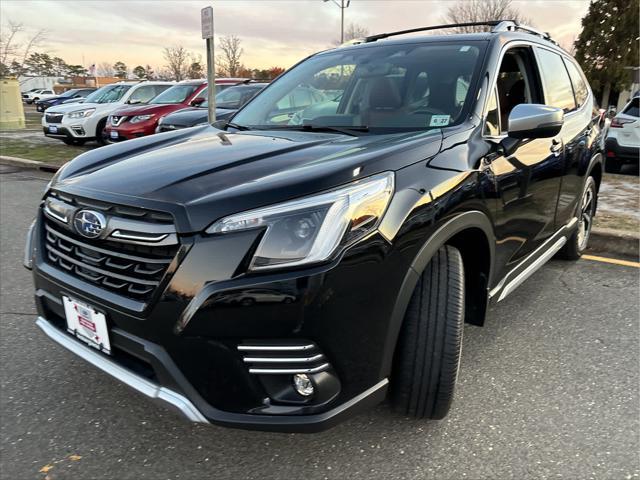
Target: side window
column 515, row 85
column 633, row 109
column 492, row 124
column 143, row 94
column 580, row 88
column 558, row 91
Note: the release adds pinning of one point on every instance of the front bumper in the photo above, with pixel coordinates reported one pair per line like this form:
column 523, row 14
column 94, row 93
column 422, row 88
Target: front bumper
column 182, row 346
column 180, row 403
column 129, row 131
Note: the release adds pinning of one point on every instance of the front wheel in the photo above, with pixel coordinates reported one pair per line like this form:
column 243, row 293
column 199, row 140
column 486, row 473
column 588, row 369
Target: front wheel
column 577, row 243
column 428, row 354
column 100, row 138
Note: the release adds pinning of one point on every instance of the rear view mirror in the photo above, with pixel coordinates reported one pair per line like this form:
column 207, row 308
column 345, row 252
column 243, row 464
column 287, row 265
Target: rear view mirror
column 197, row 101
column 530, row 120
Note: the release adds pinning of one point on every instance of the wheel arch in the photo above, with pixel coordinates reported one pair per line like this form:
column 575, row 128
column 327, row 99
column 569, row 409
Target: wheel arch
column 472, row 233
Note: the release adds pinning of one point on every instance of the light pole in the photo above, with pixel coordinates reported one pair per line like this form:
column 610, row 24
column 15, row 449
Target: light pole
column 342, row 4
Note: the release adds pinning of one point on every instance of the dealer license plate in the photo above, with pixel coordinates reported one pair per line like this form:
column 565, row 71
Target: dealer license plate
column 53, row 129
column 87, row 324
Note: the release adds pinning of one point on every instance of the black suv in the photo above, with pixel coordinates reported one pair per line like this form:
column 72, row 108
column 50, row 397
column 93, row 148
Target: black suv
column 301, row 263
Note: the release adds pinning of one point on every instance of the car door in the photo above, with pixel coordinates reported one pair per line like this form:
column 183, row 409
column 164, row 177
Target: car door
column 527, row 182
column 564, row 88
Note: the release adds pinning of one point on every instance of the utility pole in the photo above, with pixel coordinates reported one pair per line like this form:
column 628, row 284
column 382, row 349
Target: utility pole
column 342, row 5
column 206, row 18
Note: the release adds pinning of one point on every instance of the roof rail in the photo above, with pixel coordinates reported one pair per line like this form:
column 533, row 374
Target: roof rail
column 512, row 25
column 498, row 26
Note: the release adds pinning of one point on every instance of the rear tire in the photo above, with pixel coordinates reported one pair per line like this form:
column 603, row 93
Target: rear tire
column 428, row 353
column 579, row 240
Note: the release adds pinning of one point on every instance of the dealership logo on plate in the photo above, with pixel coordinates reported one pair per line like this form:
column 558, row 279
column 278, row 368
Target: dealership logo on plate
column 89, row 223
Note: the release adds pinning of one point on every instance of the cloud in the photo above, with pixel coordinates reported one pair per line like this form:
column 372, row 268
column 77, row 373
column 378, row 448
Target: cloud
column 273, row 32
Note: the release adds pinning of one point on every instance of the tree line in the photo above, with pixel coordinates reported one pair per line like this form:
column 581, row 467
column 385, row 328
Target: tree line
column 20, row 59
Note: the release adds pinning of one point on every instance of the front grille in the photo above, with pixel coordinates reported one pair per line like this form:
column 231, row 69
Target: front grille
column 53, row 117
column 130, row 270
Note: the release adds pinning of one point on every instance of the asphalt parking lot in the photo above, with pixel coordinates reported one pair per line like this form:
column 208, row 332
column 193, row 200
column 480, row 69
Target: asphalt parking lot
column 548, row 389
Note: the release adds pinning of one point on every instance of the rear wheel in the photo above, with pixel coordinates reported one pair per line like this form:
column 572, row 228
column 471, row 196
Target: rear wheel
column 428, row 356
column 577, row 243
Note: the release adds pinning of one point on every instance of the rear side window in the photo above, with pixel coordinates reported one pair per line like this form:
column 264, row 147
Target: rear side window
column 632, row 109
column 557, row 86
column 579, row 86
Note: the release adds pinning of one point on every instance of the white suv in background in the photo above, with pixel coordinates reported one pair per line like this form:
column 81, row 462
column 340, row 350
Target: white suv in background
column 76, row 123
column 41, row 94
column 622, row 144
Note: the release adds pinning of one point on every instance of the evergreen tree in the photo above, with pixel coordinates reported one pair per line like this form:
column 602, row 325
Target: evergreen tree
column 608, row 43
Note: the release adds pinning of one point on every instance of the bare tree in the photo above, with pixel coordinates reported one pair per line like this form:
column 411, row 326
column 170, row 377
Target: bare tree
column 14, row 53
column 105, row 69
column 353, row 32
column 466, row 11
column 229, row 63
column 177, row 61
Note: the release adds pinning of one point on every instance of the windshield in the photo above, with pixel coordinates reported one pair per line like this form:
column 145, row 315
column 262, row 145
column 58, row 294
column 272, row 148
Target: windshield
column 398, row 87
column 233, row 98
column 205, row 91
column 108, row 94
column 69, row 93
column 175, row 94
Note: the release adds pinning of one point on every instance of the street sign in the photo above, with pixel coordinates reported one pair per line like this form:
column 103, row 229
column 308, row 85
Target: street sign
column 206, row 18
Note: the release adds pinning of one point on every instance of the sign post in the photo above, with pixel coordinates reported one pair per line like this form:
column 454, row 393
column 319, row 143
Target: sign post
column 206, row 18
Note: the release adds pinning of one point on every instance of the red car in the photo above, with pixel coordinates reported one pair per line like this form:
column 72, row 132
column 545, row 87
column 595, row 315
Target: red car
column 135, row 121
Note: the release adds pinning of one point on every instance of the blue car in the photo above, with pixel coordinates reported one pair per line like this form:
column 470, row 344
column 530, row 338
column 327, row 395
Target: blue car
column 76, row 94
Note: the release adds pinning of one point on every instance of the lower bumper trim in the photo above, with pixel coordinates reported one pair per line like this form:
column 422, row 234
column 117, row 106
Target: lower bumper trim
column 138, row 383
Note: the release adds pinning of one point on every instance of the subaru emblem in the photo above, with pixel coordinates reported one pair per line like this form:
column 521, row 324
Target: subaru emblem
column 89, row 223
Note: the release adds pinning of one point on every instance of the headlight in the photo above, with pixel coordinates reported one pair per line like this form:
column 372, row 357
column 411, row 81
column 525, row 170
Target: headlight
column 141, row 118
column 311, row 229
column 82, row 113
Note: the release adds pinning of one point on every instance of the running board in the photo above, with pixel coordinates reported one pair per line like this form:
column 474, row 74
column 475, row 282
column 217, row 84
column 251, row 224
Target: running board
column 531, row 269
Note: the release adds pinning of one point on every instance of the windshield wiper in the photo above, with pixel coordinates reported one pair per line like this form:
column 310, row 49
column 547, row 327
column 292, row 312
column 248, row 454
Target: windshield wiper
column 344, row 129
column 238, row 127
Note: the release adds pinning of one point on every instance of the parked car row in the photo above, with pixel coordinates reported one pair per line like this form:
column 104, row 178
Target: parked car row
column 75, row 95
column 126, row 110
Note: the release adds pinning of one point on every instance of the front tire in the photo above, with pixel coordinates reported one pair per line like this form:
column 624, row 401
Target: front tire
column 100, row 132
column 579, row 240
column 428, row 354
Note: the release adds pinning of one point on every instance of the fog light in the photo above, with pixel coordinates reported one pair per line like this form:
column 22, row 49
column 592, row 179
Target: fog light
column 303, row 384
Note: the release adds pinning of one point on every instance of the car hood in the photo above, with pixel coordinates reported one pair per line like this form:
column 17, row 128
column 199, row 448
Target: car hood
column 189, row 117
column 203, row 174
column 146, row 109
column 67, row 108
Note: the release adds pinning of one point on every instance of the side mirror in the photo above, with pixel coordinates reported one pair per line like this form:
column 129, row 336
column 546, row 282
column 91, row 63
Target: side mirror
column 134, row 102
column 530, row 120
column 197, row 101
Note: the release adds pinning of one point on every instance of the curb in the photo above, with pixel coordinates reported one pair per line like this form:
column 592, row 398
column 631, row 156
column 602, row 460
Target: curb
column 24, row 163
column 615, row 242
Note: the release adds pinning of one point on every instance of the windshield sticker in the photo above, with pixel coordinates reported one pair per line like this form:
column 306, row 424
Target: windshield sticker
column 439, row 120
column 465, row 48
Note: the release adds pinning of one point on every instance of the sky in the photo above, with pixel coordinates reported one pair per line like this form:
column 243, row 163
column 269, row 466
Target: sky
column 273, row 32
